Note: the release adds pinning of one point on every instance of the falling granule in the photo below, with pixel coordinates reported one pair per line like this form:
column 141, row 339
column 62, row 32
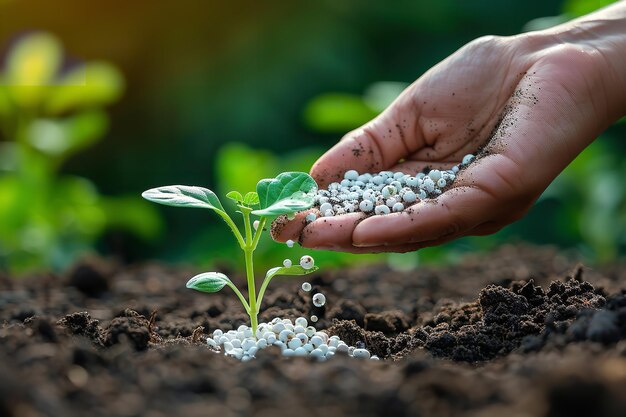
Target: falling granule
column 319, row 299
column 306, row 286
column 307, row 262
column 290, row 243
column 314, row 318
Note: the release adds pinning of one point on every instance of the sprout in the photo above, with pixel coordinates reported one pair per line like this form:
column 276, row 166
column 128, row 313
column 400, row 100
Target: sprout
column 286, row 194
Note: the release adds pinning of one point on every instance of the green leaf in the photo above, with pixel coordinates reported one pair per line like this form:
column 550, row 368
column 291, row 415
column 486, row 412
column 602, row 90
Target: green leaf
column 61, row 137
column 208, row 282
column 294, row 270
column 251, row 199
column 235, row 196
column 92, row 85
column 184, row 196
column 288, row 193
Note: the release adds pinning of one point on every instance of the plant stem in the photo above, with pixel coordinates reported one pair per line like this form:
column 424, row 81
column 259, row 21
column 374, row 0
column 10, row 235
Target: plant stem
column 253, row 313
column 233, row 227
column 264, row 285
column 241, row 297
column 258, row 233
column 249, row 251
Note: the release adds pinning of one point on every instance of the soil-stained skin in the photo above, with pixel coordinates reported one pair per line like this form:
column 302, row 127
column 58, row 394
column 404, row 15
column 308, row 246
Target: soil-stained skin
column 523, row 331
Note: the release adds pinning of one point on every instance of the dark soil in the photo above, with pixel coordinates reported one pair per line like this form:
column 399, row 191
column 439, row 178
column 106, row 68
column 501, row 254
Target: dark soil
column 520, row 332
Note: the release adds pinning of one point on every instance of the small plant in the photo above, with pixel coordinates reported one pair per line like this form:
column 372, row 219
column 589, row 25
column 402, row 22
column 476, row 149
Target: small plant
column 288, row 193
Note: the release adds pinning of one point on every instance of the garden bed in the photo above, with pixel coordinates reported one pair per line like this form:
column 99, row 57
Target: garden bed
column 475, row 339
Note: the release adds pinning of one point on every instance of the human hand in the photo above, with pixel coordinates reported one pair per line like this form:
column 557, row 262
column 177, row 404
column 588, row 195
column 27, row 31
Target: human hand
column 531, row 102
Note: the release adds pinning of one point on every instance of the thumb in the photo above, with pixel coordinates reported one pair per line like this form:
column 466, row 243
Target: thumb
column 375, row 146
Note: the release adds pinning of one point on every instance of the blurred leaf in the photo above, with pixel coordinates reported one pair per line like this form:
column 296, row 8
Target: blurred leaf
column 5, row 100
column 85, row 129
column 34, row 60
column 90, row 85
column 31, row 67
column 336, row 112
column 132, row 214
column 57, row 137
column 9, row 203
column 300, row 159
column 240, row 167
column 581, row 7
column 542, row 23
column 379, row 96
column 8, row 156
column 76, row 205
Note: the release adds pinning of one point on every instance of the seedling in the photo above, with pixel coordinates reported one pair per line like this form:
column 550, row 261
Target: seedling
column 288, row 193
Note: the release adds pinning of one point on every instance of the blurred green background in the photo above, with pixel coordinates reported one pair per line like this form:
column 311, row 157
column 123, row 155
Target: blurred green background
column 102, row 100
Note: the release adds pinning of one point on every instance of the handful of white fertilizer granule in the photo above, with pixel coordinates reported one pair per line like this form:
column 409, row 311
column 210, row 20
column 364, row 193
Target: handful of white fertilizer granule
column 383, row 193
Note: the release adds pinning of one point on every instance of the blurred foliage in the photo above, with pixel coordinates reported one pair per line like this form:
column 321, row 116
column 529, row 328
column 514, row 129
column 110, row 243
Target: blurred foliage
column 47, row 114
column 577, row 8
column 222, row 94
column 339, row 112
column 571, row 9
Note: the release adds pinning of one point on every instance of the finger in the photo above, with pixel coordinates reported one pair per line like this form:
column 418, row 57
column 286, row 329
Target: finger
column 483, row 193
column 398, row 248
column 490, row 227
column 376, row 146
column 283, row 229
column 481, row 230
column 331, row 233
